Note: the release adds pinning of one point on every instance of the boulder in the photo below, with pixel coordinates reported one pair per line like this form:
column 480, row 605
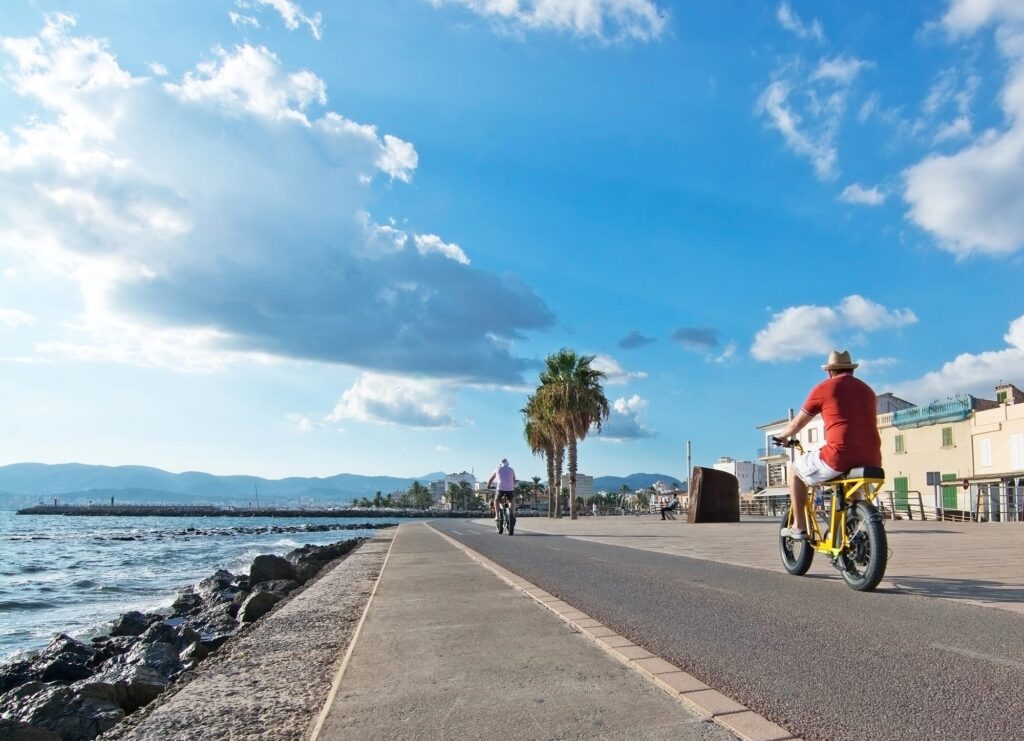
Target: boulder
column 188, row 602
column 133, row 623
column 67, row 713
column 63, row 660
column 108, row 647
column 280, row 587
column 14, row 675
column 269, row 568
column 129, row 687
column 193, row 655
column 160, row 657
column 15, row 730
column 258, row 605
column 715, row 496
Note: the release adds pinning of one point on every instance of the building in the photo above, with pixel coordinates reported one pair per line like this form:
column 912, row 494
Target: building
column 439, row 488
column 750, row 475
column 997, row 442
column 584, row 486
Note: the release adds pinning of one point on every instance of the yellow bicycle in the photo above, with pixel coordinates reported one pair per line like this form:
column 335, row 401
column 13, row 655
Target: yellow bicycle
column 853, row 536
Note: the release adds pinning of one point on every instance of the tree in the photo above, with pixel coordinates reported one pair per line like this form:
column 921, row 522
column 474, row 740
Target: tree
column 536, row 488
column 545, row 439
column 419, row 496
column 572, row 391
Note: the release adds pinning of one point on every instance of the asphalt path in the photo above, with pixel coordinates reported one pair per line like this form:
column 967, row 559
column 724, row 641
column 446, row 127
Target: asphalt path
column 809, row 653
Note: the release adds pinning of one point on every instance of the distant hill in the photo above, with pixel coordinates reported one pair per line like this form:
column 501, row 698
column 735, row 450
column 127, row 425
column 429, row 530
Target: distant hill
column 633, row 481
column 23, row 484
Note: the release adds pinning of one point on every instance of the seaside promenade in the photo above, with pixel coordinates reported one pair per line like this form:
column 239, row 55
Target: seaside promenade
column 454, row 646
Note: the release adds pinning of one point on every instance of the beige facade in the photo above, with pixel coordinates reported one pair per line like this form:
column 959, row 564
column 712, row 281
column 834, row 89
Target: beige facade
column 997, row 437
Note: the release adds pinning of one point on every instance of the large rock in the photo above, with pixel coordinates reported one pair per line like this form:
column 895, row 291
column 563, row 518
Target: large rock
column 258, row 605
column 15, row 730
column 714, row 496
column 160, row 657
column 63, row 660
column 129, row 687
column 269, row 568
column 73, row 716
column 281, row 587
column 133, row 623
column 14, row 675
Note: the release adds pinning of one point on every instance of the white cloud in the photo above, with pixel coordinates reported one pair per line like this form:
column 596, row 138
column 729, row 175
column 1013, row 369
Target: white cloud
column 976, row 374
column 237, row 19
column 818, row 146
column 842, row 70
column 857, row 193
column 292, row 15
column 790, row 21
column 428, row 243
column 971, row 200
column 303, row 423
column 395, row 400
column 638, row 20
column 185, row 216
column 615, row 374
column 157, row 69
column 801, row 331
column 625, row 422
column 15, row 318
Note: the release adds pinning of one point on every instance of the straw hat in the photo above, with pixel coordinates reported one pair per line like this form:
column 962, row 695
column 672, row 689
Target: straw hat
column 839, row 360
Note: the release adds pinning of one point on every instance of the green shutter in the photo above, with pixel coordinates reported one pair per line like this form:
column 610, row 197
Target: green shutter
column 949, row 495
column 901, row 445
column 947, row 437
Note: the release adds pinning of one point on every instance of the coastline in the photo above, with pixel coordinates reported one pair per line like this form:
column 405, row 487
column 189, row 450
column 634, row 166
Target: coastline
column 161, row 510
column 77, row 690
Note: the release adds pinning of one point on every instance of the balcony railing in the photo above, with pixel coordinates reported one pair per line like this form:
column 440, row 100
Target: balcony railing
column 772, row 452
column 951, row 410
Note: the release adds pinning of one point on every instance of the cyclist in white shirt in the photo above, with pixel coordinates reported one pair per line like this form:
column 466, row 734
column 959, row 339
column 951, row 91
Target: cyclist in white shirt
column 506, row 485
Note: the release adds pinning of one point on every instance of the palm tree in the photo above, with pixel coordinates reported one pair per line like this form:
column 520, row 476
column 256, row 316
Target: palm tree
column 544, row 438
column 571, row 388
column 536, row 487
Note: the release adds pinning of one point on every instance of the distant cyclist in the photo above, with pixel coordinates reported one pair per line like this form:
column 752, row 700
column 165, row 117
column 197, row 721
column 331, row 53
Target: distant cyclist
column 505, row 477
column 849, row 410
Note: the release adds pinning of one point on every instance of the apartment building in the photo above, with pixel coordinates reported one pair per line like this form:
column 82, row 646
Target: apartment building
column 750, row 475
column 439, row 488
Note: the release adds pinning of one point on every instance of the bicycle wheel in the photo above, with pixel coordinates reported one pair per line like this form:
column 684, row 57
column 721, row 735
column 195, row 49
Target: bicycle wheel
column 867, row 549
column 796, row 554
column 501, row 520
column 511, row 521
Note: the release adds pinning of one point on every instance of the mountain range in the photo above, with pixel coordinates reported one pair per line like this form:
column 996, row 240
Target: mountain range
column 24, row 484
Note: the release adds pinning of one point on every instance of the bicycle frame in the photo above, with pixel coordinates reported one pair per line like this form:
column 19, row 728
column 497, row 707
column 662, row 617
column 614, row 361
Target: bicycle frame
column 845, row 491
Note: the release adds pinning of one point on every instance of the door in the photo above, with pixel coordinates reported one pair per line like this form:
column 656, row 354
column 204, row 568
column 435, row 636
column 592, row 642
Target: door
column 902, row 484
column 949, row 493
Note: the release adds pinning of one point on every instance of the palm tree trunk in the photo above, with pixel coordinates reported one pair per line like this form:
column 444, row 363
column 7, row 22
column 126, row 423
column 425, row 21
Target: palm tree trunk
column 559, row 459
column 572, row 478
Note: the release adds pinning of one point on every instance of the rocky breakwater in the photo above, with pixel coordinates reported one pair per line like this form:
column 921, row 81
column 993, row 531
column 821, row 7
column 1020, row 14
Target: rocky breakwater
column 75, row 690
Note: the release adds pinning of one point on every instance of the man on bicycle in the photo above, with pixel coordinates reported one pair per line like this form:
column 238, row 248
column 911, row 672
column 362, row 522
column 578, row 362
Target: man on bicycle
column 849, row 410
column 506, row 479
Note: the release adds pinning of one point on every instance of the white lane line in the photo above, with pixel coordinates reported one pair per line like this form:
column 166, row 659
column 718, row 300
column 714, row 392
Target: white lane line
column 1001, row 661
column 456, row 531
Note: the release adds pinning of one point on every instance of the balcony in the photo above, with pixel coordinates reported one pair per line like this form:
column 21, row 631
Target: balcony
column 772, row 452
column 951, row 410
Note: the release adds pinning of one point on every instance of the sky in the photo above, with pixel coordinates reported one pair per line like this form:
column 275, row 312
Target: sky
column 302, row 238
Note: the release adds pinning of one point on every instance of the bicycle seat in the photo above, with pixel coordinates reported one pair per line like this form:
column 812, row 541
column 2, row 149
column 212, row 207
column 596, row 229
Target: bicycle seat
column 863, row 472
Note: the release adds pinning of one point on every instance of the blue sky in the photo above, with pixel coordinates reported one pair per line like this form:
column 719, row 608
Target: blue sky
column 301, row 238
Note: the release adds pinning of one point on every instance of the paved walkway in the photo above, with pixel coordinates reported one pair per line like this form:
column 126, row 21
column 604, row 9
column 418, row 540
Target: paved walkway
column 980, row 563
column 448, row 650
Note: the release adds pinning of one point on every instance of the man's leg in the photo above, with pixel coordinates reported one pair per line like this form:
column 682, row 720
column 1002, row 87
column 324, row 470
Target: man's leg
column 798, row 498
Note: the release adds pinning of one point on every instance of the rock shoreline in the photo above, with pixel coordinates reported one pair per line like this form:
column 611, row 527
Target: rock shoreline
column 160, row 510
column 75, row 691
column 189, row 532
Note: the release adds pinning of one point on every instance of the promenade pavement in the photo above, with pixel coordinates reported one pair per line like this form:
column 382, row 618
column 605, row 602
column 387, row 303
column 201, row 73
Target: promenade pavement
column 979, row 563
column 450, row 650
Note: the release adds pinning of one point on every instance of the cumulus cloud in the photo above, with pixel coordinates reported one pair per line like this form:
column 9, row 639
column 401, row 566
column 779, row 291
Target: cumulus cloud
column 971, row 200
column 634, row 340
column 222, row 215
column 969, row 373
column 615, row 374
column 610, row 20
column 625, row 422
column 303, row 423
column 292, row 15
column 790, row 21
column 396, row 400
column 858, row 194
column 801, row 331
column 237, row 19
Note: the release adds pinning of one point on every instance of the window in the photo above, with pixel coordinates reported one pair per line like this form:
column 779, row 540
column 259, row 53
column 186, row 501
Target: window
column 985, row 453
column 1000, row 397
column 1017, row 451
column 901, row 445
column 947, row 437
column 812, row 435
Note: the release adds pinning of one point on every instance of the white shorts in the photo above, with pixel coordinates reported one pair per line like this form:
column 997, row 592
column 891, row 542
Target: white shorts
column 812, row 470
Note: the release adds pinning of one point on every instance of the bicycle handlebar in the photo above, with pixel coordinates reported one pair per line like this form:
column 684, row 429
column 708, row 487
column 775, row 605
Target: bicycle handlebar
column 791, row 443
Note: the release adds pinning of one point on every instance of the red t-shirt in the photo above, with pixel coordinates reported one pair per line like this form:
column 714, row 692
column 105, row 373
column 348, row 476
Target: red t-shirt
column 848, row 407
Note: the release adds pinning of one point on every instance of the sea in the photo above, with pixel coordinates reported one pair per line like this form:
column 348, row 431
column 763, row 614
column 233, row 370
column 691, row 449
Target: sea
column 73, row 575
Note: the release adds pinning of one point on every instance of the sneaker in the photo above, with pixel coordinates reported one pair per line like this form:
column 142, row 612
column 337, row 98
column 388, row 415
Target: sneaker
column 792, row 533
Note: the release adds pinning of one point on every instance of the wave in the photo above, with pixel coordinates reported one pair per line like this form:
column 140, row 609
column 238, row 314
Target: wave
column 13, row 605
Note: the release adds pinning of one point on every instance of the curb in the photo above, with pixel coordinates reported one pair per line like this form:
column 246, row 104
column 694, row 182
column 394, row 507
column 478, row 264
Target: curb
column 683, row 687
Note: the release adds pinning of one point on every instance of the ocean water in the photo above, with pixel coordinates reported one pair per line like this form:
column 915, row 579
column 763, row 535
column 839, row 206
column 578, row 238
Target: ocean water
column 75, row 574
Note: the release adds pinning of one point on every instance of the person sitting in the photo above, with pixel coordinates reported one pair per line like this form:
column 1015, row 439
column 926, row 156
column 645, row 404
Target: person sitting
column 668, row 509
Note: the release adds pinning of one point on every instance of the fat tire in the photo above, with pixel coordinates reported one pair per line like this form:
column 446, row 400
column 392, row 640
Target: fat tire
column 501, row 521
column 511, row 523
column 796, row 554
column 865, row 575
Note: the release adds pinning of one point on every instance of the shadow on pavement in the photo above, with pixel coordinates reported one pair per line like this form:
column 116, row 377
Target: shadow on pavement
column 976, row 589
